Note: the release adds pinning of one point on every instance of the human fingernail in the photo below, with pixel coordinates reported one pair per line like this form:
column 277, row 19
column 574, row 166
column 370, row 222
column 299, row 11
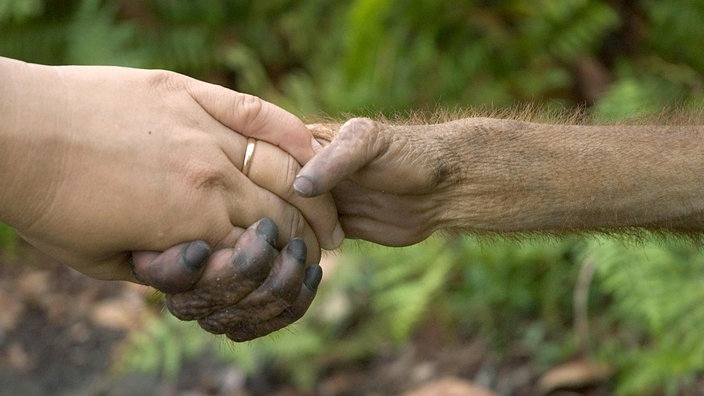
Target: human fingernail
column 314, row 274
column 303, row 186
column 338, row 235
column 297, row 248
column 267, row 229
column 195, row 255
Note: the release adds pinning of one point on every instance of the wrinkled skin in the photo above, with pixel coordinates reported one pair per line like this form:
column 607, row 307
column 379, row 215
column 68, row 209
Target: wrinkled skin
column 384, row 179
column 396, row 184
column 244, row 292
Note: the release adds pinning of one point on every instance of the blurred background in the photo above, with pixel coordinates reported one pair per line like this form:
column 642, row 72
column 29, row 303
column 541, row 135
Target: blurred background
column 563, row 316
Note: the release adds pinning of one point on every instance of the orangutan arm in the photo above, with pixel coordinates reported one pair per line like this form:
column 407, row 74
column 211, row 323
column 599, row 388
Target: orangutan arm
column 396, row 184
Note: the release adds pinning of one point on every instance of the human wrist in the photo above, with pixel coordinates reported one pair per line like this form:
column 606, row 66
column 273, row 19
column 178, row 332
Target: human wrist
column 28, row 93
column 11, row 74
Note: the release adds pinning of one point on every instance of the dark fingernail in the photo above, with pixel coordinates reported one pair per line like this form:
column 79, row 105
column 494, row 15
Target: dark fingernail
column 303, row 186
column 267, row 229
column 195, row 255
column 313, row 276
column 297, row 248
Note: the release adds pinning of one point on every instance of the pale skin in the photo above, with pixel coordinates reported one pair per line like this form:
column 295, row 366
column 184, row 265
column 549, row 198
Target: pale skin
column 97, row 162
column 103, row 168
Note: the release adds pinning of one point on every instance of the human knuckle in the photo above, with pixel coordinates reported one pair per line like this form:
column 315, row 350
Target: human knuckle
column 252, row 108
column 160, row 79
column 203, row 175
column 290, row 172
column 296, row 224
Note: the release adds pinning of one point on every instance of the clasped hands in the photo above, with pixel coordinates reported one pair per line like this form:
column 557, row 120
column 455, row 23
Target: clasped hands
column 138, row 175
column 254, row 289
column 146, row 176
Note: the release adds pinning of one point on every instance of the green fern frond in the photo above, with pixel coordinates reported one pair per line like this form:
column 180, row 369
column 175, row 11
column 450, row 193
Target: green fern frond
column 185, row 49
column 17, row 11
column 94, row 36
column 568, row 29
column 164, row 346
column 657, row 288
column 630, row 98
column 43, row 42
column 675, row 27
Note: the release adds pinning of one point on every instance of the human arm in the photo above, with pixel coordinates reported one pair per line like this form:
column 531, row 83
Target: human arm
column 396, row 184
column 97, row 162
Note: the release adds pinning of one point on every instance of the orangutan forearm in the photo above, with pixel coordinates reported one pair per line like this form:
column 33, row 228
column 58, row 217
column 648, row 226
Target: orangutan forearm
column 516, row 176
column 506, row 175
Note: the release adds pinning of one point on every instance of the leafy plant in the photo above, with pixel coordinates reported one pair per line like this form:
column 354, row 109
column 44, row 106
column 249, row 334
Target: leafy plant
column 366, row 285
column 366, row 57
column 657, row 291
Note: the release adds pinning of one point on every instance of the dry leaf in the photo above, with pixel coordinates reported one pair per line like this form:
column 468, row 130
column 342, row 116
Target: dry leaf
column 574, row 375
column 117, row 313
column 450, row 386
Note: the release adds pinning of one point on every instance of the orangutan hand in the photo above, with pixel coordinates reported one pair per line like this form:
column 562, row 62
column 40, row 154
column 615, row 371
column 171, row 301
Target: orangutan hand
column 245, row 292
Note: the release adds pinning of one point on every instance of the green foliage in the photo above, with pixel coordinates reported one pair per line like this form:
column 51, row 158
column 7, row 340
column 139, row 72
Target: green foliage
column 366, row 285
column 19, row 10
column 568, row 29
column 657, row 291
column 367, row 56
column 531, row 280
column 389, row 56
column 164, row 346
column 675, row 26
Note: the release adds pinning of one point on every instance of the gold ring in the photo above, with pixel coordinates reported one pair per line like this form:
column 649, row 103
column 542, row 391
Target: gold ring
column 248, row 155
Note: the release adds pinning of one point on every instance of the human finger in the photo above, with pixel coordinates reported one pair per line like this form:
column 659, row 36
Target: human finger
column 260, row 203
column 250, row 330
column 254, row 117
column 175, row 270
column 274, row 170
column 251, row 202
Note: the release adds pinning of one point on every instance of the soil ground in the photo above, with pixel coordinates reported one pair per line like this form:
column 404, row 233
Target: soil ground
column 60, row 334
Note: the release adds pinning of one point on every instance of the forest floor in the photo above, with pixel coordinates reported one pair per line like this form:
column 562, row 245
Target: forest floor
column 61, row 333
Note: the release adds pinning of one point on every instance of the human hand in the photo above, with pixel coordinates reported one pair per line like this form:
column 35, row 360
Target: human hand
column 389, row 182
column 243, row 292
column 115, row 160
